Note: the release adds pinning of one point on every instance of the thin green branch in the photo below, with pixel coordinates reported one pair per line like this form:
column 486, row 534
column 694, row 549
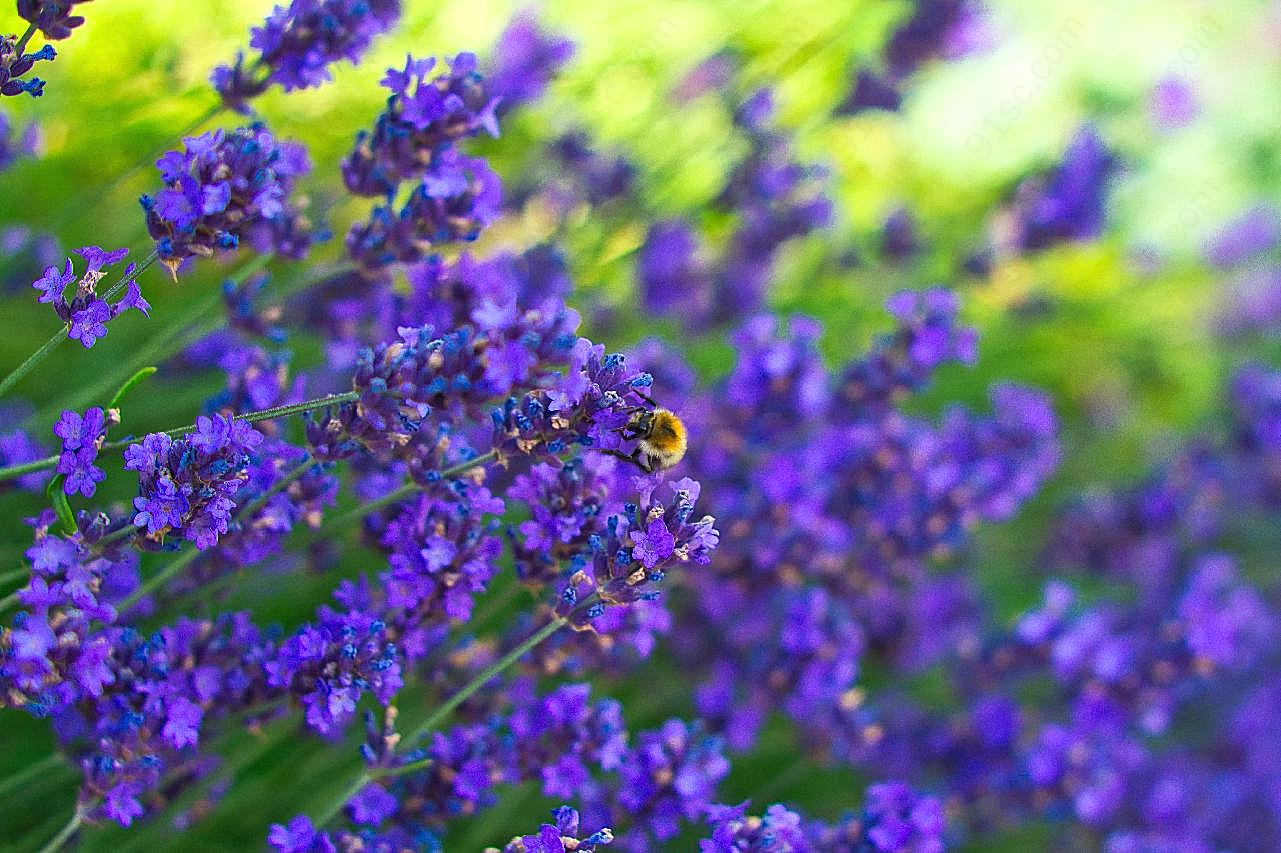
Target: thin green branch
column 50, row 764
column 251, row 417
column 18, row 574
column 154, row 349
column 407, row 490
column 61, row 335
column 64, row 834
column 26, row 38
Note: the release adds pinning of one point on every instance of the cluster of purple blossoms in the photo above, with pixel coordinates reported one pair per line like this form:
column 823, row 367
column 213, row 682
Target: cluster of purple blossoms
column 666, row 778
column 82, row 436
column 330, row 664
column 558, row 740
column 253, row 538
column 848, row 510
column 936, row 29
column 1066, row 203
column 87, row 314
column 774, row 198
column 841, row 503
column 187, row 487
column 458, row 198
column 17, row 446
column 560, row 837
column 54, row 18
column 54, row 654
column 296, row 46
column 14, row 65
column 1190, row 644
column 167, row 689
column 526, row 59
column 632, row 554
column 1245, row 249
column 223, row 188
column 779, row 830
column 424, row 115
column 894, row 819
column 453, row 196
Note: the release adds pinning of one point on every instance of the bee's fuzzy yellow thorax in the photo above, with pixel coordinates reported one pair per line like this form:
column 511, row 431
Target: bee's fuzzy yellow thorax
column 666, row 438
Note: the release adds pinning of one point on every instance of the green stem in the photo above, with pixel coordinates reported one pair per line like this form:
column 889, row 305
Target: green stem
column 494, row 669
column 27, row 467
column 61, row 335
column 407, row 490
column 64, row 834
column 26, row 38
column 32, row 360
column 18, row 574
column 153, row 349
column 250, row 417
column 45, row 766
column 437, row 716
column 123, row 533
column 142, row 267
column 188, row 557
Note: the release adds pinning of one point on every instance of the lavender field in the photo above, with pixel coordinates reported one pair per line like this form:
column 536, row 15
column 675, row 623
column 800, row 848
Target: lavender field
column 783, row 426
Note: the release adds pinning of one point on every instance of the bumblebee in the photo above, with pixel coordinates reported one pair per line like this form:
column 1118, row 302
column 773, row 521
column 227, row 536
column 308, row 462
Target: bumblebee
column 661, row 438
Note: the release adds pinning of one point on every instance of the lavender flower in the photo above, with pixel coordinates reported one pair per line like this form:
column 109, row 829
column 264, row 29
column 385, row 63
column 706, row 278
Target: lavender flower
column 633, row 553
column 668, row 777
column 1253, row 233
column 187, row 487
column 86, row 314
column 1066, row 203
column 53, row 655
column 526, row 59
column 55, row 18
column 458, row 196
column 222, row 188
column 936, row 28
column 1173, row 103
column 82, row 436
column 895, row 819
column 558, row 740
column 561, row 837
column 165, row 689
column 296, row 46
column 14, row 66
column 423, row 116
column 300, row 836
column 871, row 92
column 329, row 665
column 18, row 447
column 733, row 830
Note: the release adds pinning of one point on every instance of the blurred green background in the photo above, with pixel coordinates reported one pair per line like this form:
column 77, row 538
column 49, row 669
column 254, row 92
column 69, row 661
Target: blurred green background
column 1118, row 330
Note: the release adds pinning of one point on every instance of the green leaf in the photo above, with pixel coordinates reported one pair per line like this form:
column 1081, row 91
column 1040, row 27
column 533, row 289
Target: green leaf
column 61, row 505
column 129, row 383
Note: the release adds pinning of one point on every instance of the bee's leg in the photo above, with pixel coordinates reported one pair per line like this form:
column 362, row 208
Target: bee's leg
column 633, row 458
